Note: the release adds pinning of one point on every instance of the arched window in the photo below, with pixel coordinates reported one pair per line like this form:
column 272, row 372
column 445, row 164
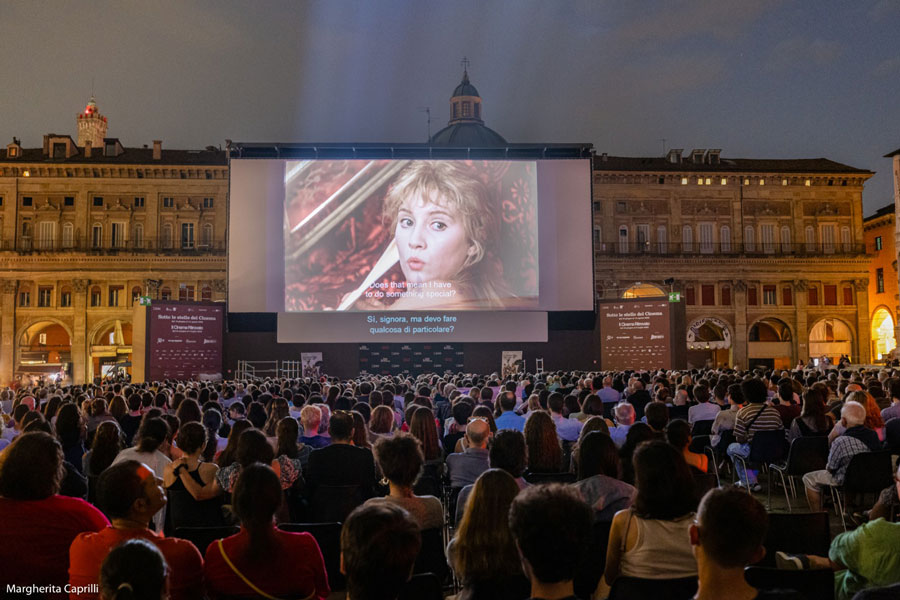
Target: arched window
column 785, row 239
column 749, row 239
column 68, row 235
column 810, row 234
column 167, row 235
column 206, row 293
column 687, row 238
column 165, row 293
column 725, row 238
column 662, row 239
column 137, row 236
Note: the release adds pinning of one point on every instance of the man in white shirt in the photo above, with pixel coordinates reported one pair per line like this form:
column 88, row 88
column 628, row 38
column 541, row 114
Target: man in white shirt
column 705, row 410
column 624, row 421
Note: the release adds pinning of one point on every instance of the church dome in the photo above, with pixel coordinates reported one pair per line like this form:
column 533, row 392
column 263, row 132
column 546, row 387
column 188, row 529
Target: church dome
column 466, row 127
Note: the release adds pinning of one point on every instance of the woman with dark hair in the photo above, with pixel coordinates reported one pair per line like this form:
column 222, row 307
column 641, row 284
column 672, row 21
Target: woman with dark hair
column 256, row 414
column 814, row 418
column 38, row 524
column 108, row 442
column 423, row 428
column 212, row 422
column 286, row 435
column 400, row 459
column 278, row 410
column 649, row 540
column 51, row 408
column 382, row 422
column 118, row 408
column 185, row 510
column 262, row 559
column 599, row 468
column 99, row 414
column 483, row 553
column 71, row 432
column 360, row 429
column 639, row 432
column 134, row 570
column 189, row 412
column 678, row 433
column 544, row 451
column 226, row 456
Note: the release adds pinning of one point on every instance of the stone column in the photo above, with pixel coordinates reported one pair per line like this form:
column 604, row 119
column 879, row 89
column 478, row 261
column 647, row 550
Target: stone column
column 801, row 335
column 7, row 331
column 80, row 349
column 741, row 352
column 863, row 324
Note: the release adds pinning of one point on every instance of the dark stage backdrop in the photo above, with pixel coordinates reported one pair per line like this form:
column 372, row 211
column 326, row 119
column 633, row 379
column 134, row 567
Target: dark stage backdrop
column 411, row 359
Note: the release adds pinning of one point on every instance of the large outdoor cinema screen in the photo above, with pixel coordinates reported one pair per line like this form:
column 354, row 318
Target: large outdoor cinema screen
column 410, row 250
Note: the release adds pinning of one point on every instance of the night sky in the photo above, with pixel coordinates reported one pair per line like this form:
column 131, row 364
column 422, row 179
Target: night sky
column 757, row 79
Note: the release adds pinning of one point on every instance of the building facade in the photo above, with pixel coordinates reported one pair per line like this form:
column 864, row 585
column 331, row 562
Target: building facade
column 884, row 301
column 768, row 255
column 88, row 227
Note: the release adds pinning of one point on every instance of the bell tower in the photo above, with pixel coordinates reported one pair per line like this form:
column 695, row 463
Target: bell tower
column 91, row 125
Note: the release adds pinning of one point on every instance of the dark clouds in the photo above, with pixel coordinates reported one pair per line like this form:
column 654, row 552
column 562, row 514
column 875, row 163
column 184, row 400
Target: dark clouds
column 757, row 79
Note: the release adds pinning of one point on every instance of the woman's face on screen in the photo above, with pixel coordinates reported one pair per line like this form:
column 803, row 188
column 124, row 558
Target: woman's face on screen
column 431, row 240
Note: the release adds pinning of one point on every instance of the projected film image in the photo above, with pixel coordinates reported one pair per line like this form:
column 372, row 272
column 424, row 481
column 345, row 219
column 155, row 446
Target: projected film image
column 364, row 235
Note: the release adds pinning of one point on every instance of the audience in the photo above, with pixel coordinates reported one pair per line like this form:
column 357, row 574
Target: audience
column 650, row 527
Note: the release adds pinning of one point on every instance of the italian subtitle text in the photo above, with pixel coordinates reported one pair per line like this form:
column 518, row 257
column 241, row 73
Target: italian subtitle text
column 411, row 325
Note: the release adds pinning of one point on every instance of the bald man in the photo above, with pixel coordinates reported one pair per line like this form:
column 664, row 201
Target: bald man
column 466, row 466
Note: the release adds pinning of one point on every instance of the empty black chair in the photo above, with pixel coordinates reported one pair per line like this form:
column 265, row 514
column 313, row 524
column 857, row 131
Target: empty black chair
column 538, row 478
column 867, row 473
column 332, row 503
column 796, row 533
column 202, row 537
column 811, row 583
column 702, row 427
column 678, row 412
column 588, row 574
column 328, row 536
column 431, row 557
column 423, row 586
column 805, row 455
column 634, row 588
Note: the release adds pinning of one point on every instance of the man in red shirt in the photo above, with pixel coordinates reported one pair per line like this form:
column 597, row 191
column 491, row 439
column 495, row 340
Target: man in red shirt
column 131, row 494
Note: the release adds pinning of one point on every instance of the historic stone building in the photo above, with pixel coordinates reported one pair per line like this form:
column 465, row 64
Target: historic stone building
column 878, row 230
column 88, row 227
column 768, row 255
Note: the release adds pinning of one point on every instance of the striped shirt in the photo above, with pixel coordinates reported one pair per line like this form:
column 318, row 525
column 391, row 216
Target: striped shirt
column 767, row 421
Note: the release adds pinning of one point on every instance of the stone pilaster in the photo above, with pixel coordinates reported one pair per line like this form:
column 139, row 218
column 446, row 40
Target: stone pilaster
column 801, row 334
column 739, row 344
column 80, row 350
column 863, row 323
column 7, row 330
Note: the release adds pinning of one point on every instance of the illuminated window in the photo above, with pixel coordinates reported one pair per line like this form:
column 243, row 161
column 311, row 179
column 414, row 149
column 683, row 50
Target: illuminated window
column 42, row 339
column 762, row 181
column 684, row 181
column 708, row 181
column 747, row 181
column 724, row 181
column 699, row 181
column 784, row 182
column 808, row 182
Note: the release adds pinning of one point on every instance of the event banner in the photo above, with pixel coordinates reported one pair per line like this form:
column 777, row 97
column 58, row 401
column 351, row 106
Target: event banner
column 511, row 361
column 312, row 364
column 635, row 335
column 184, row 340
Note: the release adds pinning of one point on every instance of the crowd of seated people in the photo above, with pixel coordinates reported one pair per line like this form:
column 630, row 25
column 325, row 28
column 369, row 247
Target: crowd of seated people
column 521, row 475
